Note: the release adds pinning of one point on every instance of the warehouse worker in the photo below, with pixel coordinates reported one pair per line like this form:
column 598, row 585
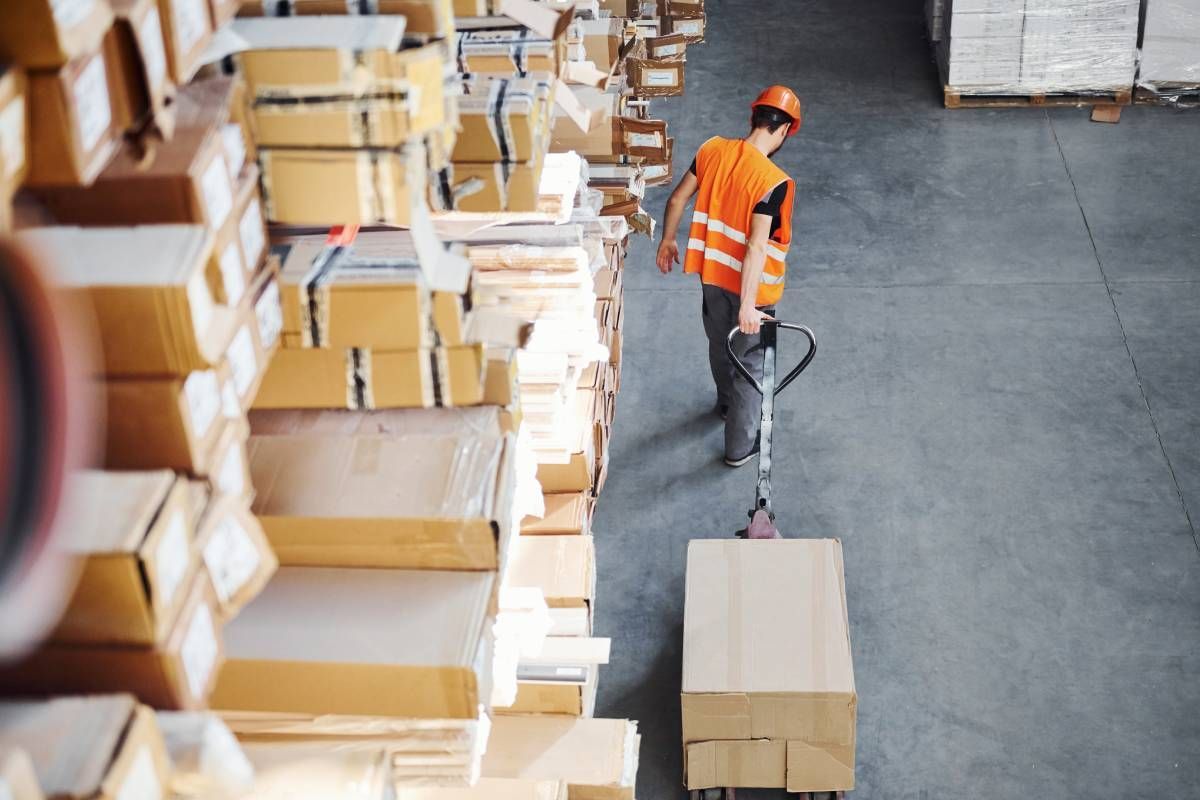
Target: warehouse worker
column 738, row 241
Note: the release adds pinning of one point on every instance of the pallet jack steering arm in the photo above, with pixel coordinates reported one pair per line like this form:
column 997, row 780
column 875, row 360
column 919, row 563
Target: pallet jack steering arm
column 768, row 388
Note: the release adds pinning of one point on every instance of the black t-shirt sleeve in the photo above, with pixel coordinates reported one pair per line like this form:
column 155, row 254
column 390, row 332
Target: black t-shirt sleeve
column 692, row 168
column 773, row 206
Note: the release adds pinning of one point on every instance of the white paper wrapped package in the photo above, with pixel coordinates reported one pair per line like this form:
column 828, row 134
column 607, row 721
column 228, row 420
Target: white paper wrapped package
column 1041, row 46
column 1171, row 45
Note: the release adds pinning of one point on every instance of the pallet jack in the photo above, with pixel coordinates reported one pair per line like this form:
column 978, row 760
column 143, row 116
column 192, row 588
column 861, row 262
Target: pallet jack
column 762, row 516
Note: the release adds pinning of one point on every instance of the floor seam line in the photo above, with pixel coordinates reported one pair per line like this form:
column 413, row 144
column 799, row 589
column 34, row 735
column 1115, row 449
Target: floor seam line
column 1137, row 375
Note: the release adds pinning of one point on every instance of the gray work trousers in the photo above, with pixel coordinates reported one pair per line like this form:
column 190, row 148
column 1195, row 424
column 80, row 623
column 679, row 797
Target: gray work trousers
column 720, row 313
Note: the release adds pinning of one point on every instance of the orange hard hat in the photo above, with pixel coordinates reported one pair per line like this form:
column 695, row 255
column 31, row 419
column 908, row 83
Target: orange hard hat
column 785, row 100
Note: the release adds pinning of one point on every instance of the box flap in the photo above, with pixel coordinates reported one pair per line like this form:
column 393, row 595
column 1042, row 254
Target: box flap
column 819, row 769
column 115, row 509
column 563, row 567
column 596, row 757
column 758, row 764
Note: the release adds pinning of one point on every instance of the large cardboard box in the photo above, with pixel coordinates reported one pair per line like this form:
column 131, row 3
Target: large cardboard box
column 503, row 119
column 177, row 673
column 188, row 30
column 656, row 77
column 150, row 288
column 375, row 642
column 71, row 119
column 310, row 186
column 563, row 567
column 566, row 514
column 361, row 378
column 332, row 500
column 45, row 34
column 134, row 540
column 89, row 748
column 334, row 297
column 509, row 52
column 796, row 697
column 597, row 758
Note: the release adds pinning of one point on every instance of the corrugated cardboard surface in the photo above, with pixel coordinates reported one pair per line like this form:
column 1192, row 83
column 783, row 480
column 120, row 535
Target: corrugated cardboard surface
column 374, row 642
column 566, row 513
column 563, row 567
column 491, row 789
column 596, row 757
column 432, row 502
column 89, row 747
column 757, row 763
column 787, row 675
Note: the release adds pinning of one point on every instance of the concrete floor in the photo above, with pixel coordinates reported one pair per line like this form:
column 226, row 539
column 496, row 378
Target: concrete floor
column 1001, row 425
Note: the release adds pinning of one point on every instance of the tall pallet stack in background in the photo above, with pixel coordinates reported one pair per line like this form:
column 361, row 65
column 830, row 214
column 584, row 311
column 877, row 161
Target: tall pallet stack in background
column 1022, row 52
column 1169, row 65
column 385, row 568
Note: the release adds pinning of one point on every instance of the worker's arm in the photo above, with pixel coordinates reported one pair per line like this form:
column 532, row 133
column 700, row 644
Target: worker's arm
column 668, row 250
column 749, row 317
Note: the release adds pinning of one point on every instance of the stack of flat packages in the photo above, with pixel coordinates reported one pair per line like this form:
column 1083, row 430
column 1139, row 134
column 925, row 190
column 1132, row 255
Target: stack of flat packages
column 768, row 698
column 1170, row 55
column 1037, row 47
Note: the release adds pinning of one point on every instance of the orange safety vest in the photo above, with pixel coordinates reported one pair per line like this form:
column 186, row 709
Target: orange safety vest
column 734, row 177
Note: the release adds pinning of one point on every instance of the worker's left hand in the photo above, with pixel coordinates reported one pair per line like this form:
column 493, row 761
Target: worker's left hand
column 668, row 253
column 750, row 320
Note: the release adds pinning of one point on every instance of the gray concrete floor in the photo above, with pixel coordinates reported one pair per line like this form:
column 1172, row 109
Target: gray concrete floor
column 1001, row 425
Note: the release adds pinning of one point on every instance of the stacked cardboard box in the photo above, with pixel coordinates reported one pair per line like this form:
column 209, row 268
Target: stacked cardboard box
column 1170, row 55
column 1008, row 47
column 768, row 698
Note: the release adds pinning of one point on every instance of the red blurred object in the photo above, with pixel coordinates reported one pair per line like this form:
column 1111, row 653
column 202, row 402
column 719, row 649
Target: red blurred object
column 44, row 432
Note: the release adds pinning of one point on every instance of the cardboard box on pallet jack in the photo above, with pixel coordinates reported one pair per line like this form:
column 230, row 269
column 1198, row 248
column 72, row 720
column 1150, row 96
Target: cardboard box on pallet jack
column 785, row 717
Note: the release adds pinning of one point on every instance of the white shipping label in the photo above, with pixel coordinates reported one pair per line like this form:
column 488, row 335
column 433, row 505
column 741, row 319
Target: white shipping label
column 643, row 140
column 68, row 13
column 688, row 27
column 270, row 315
column 171, row 558
column 199, row 651
column 153, row 51
column 201, row 303
column 668, row 50
column 203, row 398
column 231, row 558
column 231, row 477
column 242, row 362
column 658, row 77
column 142, row 781
column 654, row 171
column 218, row 194
column 191, row 23
column 12, row 136
column 229, row 401
column 231, row 274
column 251, row 231
column 92, row 107
column 235, row 147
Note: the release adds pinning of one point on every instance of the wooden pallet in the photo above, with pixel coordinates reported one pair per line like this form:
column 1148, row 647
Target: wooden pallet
column 1177, row 96
column 955, row 98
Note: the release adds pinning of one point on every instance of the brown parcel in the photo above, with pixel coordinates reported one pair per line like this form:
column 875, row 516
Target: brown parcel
column 369, row 379
column 524, row 106
column 147, row 92
column 187, row 29
column 176, row 674
column 598, row 758
column 235, row 552
column 563, row 567
column 491, row 789
column 17, row 775
column 133, row 535
column 368, row 500
column 358, row 301
column 799, row 687
column 567, row 513
column 662, row 77
column 304, row 186
column 71, row 120
column 45, row 34
column 566, row 699
column 486, row 187
column 150, row 290
column 89, row 748
column 377, row 642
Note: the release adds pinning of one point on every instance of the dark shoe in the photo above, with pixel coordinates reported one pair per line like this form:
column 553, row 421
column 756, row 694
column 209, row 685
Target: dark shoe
column 721, row 410
column 737, row 462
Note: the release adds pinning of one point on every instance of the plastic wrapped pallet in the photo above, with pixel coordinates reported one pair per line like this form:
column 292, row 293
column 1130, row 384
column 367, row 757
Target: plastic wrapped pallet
column 1170, row 58
column 1022, row 47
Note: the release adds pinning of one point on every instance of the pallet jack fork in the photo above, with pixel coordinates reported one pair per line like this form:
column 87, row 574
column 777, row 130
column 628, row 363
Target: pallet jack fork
column 762, row 515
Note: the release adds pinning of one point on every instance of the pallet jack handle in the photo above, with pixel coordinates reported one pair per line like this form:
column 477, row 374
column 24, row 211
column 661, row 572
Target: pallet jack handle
column 791, row 376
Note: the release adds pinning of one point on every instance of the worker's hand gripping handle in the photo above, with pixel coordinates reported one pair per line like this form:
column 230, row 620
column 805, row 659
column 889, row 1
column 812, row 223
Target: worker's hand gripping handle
column 796, row 370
